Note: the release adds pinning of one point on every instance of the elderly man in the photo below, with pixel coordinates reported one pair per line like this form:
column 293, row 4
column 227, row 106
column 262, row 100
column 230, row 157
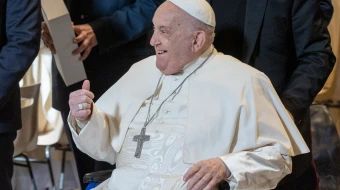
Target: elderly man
column 188, row 117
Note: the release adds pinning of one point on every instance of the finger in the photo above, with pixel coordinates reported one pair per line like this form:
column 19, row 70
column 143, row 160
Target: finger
column 203, row 182
column 82, row 114
column 212, row 184
column 86, row 53
column 195, row 168
column 195, row 179
column 86, row 85
column 84, row 104
column 82, row 36
column 52, row 48
column 81, row 92
column 47, row 38
column 80, row 99
column 45, row 44
column 77, row 29
column 44, row 27
column 81, row 48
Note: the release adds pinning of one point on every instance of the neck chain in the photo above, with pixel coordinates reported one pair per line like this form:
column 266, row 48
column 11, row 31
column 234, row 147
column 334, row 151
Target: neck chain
column 140, row 139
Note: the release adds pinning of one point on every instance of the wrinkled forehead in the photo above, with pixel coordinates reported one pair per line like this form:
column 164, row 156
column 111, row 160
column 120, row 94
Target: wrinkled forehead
column 168, row 15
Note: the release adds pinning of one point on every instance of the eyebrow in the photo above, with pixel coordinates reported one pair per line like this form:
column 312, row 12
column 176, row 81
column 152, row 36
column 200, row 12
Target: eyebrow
column 164, row 27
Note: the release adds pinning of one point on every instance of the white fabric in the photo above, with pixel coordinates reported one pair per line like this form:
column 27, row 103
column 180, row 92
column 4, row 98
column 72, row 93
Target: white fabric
column 40, row 72
column 160, row 165
column 199, row 9
column 233, row 113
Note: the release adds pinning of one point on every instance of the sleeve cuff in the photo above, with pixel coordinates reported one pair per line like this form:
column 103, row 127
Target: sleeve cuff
column 231, row 177
column 75, row 124
column 297, row 111
column 81, row 124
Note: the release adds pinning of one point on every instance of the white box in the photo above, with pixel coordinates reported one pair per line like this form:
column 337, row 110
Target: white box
column 59, row 24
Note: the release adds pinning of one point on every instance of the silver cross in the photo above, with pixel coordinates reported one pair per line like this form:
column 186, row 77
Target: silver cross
column 140, row 139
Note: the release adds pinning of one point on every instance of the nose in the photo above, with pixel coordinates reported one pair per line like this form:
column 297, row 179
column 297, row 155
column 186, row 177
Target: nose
column 154, row 39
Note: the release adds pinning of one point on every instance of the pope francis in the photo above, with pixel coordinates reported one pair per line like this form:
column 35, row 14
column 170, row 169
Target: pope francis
column 188, row 117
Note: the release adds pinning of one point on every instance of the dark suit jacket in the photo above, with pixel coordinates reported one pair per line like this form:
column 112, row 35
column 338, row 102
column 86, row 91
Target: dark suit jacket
column 19, row 44
column 328, row 10
column 123, row 39
column 288, row 41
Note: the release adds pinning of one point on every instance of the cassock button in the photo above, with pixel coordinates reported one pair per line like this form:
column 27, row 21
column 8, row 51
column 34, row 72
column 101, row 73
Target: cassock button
column 175, row 78
column 82, row 16
column 161, row 122
column 166, row 111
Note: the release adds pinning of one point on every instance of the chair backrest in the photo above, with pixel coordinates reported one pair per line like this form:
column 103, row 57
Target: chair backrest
column 27, row 137
column 31, row 91
column 26, row 134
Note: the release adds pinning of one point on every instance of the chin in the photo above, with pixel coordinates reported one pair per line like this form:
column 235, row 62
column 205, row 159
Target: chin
column 165, row 69
column 161, row 65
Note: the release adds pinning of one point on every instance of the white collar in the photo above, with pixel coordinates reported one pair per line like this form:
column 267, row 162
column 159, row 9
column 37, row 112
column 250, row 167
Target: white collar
column 190, row 67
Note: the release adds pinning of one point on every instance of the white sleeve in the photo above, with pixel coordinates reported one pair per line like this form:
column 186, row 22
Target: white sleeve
column 81, row 124
column 261, row 168
column 94, row 138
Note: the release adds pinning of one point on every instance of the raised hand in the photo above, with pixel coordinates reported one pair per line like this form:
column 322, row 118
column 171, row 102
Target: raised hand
column 80, row 102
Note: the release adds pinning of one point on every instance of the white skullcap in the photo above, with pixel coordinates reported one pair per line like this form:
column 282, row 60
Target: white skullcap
column 199, row 9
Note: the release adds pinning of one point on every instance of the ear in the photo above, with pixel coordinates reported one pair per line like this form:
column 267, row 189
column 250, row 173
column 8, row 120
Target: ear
column 198, row 41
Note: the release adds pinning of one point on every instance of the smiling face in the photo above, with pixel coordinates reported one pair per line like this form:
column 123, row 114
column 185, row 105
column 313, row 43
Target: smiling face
column 173, row 39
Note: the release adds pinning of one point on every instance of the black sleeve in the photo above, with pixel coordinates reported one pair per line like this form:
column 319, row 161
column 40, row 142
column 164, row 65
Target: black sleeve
column 23, row 26
column 314, row 54
column 125, row 24
column 327, row 9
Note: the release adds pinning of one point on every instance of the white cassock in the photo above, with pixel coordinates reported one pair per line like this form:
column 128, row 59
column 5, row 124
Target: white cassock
column 226, row 109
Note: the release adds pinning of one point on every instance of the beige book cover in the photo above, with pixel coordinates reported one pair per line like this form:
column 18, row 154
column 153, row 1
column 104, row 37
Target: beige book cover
column 59, row 24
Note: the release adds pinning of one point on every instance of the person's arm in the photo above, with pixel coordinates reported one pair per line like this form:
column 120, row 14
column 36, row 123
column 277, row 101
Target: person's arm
column 125, row 24
column 90, row 128
column 265, row 139
column 262, row 168
column 94, row 138
column 23, row 19
column 314, row 54
column 275, row 141
column 328, row 10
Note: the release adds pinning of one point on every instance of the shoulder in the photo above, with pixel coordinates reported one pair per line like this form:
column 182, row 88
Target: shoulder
column 144, row 68
column 146, row 63
column 226, row 67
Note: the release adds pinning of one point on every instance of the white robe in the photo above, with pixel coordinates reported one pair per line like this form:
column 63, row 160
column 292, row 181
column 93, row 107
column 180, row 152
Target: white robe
column 233, row 113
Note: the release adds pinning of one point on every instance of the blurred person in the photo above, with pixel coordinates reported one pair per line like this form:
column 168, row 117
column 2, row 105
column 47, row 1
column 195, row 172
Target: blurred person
column 290, row 43
column 19, row 45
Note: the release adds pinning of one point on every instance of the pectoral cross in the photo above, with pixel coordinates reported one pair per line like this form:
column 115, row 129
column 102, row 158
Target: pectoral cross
column 140, row 139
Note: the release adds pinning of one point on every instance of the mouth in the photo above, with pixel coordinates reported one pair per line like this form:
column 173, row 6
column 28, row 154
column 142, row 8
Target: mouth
column 160, row 52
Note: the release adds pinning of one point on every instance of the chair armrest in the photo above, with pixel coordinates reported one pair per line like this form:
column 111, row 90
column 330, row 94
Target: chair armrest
column 98, row 176
column 101, row 176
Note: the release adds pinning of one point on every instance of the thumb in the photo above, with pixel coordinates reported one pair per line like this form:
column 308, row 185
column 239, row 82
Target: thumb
column 86, row 85
column 77, row 29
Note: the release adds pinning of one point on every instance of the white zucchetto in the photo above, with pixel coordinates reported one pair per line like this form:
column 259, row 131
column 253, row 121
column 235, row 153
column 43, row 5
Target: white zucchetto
column 199, row 9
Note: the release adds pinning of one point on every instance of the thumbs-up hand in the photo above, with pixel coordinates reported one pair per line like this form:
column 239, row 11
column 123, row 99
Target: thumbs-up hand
column 80, row 102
